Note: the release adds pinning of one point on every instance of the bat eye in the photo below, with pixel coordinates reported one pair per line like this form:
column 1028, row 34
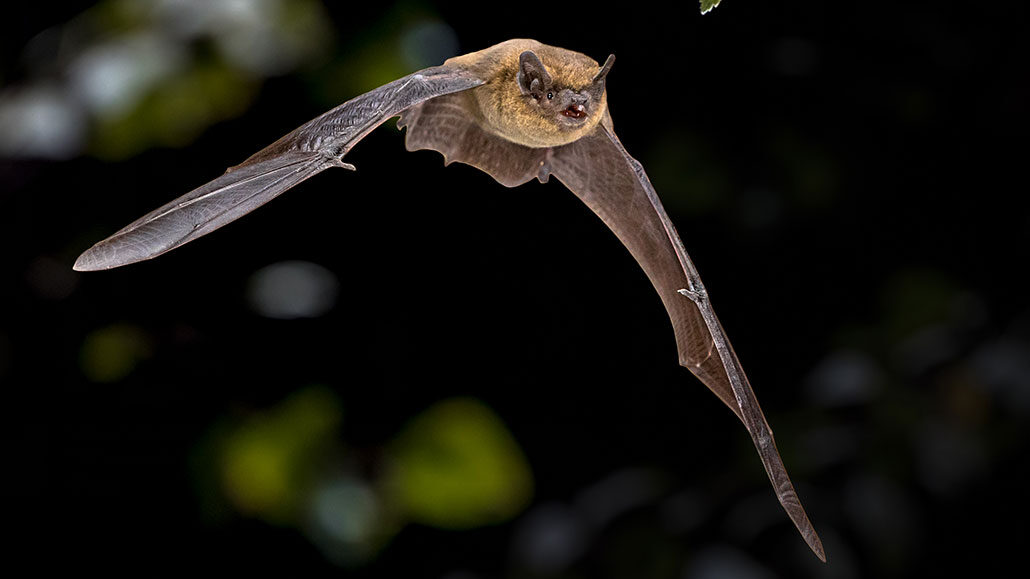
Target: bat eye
column 550, row 95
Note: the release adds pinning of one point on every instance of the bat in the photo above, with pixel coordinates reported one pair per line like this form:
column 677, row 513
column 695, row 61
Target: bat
column 518, row 110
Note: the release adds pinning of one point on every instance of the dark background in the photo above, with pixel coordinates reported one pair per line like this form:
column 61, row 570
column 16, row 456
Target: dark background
column 849, row 181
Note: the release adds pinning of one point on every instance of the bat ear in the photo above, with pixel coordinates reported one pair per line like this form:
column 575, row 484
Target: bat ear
column 599, row 77
column 533, row 77
column 597, row 88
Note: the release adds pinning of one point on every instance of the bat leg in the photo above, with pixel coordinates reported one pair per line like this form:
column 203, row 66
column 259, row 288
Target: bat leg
column 544, row 172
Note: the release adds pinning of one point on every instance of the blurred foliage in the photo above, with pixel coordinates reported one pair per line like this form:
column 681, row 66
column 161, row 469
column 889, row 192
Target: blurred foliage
column 145, row 73
column 697, row 181
column 135, row 74
column 456, row 466
column 408, row 36
column 111, row 353
column 809, row 173
column 918, row 299
column 175, row 113
column 267, row 461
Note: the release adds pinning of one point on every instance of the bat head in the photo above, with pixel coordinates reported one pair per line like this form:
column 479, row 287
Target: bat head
column 562, row 98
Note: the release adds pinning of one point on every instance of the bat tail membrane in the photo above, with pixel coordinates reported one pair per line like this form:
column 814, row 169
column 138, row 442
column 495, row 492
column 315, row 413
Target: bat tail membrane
column 444, row 125
column 206, row 208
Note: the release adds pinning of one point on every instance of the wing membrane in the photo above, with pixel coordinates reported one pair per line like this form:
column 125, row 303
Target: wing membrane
column 614, row 185
column 315, row 146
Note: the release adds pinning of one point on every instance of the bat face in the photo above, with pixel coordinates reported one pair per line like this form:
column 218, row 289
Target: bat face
column 568, row 107
column 536, row 95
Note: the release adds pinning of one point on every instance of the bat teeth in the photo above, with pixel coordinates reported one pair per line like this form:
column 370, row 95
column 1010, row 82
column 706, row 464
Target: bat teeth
column 576, row 111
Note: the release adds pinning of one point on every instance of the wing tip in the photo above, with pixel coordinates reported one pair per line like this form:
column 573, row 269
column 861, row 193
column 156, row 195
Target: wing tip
column 799, row 517
column 83, row 265
column 815, row 545
column 88, row 261
column 113, row 252
column 91, row 260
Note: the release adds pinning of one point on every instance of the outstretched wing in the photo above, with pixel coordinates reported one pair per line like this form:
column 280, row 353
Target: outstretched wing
column 599, row 170
column 315, row 146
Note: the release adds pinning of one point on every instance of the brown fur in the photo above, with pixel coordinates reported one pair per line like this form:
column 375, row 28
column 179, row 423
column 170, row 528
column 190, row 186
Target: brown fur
column 501, row 109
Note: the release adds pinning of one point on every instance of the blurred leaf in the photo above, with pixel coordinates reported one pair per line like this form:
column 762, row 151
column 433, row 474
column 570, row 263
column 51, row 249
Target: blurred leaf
column 385, row 50
column 176, row 111
column 456, row 466
column 916, row 298
column 111, row 353
column 811, row 175
column 708, row 5
column 692, row 177
column 268, row 462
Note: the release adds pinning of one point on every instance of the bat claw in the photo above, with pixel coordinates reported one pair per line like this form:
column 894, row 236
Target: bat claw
column 695, row 296
column 348, row 166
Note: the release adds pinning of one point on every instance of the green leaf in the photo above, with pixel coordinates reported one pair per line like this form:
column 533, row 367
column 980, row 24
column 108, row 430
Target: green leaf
column 175, row 111
column 112, row 352
column 268, row 461
column 707, row 5
column 456, row 466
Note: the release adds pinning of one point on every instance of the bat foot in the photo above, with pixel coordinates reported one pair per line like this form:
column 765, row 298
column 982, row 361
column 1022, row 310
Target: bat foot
column 544, row 171
column 348, row 166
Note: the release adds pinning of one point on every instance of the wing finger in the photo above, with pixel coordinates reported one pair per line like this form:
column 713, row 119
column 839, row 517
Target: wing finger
column 203, row 210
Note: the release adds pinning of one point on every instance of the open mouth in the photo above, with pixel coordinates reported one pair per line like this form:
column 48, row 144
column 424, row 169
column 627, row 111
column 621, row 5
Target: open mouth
column 575, row 111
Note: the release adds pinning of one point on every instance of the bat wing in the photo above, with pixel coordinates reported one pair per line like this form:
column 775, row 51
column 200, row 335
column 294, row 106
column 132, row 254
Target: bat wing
column 315, row 146
column 613, row 184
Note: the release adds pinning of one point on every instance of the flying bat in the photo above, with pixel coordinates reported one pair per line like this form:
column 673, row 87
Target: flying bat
column 518, row 110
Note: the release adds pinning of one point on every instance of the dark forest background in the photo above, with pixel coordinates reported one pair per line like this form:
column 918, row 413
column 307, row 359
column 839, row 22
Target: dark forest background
column 412, row 371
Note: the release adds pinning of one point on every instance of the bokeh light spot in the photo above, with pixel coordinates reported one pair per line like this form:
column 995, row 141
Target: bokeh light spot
column 40, row 121
column 292, row 289
column 428, row 43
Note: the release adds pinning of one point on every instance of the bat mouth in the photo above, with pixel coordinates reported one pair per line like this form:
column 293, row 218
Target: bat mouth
column 575, row 111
